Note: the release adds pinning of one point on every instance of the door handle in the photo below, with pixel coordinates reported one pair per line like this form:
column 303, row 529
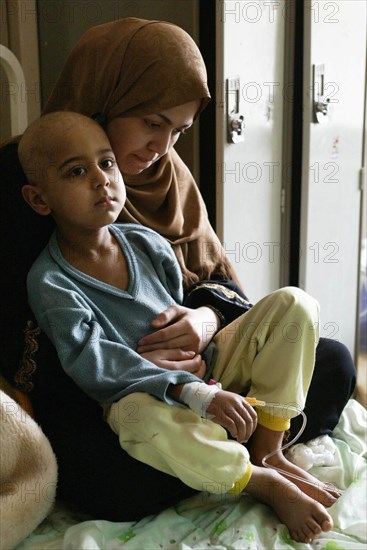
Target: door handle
column 235, row 121
column 236, row 127
column 320, row 104
column 321, row 110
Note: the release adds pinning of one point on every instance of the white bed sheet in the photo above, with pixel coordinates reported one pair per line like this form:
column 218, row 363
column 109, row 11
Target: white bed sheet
column 217, row 523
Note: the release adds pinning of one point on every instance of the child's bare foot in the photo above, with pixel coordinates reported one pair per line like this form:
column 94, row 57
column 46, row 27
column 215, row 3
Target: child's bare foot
column 265, row 441
column 304, row 517
column 325, row 494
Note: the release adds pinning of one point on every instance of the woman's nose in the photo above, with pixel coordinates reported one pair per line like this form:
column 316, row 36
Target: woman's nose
column 161, row 144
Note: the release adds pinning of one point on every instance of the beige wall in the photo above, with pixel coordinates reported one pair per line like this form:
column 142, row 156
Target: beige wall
column 62, row 23
column 19, row 34
column 5, row 103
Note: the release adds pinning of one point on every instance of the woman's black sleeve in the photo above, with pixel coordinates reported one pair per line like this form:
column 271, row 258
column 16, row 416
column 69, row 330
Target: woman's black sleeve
column 223, row 295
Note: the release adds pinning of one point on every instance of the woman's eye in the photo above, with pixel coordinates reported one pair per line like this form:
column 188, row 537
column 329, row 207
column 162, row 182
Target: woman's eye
column 78, row 171
column 152, row 124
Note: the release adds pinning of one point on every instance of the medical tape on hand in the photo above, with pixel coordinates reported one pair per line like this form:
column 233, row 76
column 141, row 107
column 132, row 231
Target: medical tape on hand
column 198, row 396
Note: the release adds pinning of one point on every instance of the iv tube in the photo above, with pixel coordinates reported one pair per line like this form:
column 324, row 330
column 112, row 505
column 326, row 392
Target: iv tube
column 328, row 486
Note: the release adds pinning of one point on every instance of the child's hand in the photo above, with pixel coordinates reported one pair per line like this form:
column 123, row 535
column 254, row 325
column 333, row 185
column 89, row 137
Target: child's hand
column 233, row 413
column 177, row 359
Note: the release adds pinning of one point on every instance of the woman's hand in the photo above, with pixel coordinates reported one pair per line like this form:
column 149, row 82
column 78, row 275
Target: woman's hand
column 177, row 359
column 179, row 327
column 233, row 413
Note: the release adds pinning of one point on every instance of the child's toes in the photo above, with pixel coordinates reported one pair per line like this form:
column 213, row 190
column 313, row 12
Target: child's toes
column 314, row 527
column 323, row 519
column 295, row 535
column 301, row 535
column 332, row 490
column 327, row 524
column 309, row 532
column 332, row 499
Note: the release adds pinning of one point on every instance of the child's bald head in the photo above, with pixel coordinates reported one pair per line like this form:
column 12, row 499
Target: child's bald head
column 66, row 157
column 43, row 139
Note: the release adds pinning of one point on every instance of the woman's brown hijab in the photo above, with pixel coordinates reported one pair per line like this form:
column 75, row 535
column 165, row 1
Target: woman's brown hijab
column 135, row 67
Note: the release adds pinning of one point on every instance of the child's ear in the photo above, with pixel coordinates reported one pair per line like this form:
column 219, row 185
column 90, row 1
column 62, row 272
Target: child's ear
column 32, row 196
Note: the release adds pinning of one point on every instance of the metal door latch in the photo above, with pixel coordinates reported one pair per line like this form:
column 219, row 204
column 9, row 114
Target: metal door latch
column 320, row 103
column 235, row 121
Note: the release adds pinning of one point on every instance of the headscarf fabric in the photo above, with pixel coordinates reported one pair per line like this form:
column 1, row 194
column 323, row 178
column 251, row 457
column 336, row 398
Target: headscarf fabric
column 136, row 67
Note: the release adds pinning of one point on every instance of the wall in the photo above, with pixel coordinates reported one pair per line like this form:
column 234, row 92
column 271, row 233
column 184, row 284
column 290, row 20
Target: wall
column 249, row 179
column 19, row 33
column 331, row 194
column 252, row 175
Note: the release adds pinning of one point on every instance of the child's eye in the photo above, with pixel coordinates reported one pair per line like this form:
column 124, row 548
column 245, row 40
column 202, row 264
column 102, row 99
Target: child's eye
column 77, row 171
column 107, row 164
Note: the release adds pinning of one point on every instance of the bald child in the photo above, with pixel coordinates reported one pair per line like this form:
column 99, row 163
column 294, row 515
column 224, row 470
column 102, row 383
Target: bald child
column 96, row 290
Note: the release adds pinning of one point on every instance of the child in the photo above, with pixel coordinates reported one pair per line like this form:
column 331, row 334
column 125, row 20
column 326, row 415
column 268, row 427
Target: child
column 96, row 288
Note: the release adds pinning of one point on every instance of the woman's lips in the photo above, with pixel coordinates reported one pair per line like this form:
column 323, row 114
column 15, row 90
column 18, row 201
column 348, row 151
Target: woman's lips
column 144, row 160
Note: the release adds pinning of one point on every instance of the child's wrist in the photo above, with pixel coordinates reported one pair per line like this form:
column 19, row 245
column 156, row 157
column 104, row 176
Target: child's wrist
column 198, row 396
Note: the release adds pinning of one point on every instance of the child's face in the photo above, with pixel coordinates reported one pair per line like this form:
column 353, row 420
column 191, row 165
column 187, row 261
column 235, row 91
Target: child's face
column 82, row 184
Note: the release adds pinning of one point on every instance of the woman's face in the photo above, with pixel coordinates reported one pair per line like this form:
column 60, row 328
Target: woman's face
column 138, row 142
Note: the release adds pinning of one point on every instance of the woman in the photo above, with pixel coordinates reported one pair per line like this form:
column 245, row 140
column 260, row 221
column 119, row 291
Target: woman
column 145, row 81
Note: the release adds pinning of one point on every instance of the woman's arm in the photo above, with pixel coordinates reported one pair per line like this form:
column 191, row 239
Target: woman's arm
column 223, row 295
column 181, row 327
column 208, row 307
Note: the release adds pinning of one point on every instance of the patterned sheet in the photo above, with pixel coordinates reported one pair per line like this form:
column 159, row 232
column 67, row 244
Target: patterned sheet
column 217, row 523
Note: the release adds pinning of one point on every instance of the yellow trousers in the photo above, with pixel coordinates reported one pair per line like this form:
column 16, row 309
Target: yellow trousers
column 269, row 352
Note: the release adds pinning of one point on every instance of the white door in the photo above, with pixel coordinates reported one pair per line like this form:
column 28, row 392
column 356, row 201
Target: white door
column 335, row 48
column 250, row 45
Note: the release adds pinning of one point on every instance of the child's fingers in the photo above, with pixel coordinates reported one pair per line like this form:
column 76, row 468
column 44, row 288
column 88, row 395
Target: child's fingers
column 247, row 424
column 233, row 413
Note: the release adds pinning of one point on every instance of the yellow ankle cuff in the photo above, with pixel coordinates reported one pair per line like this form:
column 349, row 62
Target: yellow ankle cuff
column 276, row 423
column 240, row 484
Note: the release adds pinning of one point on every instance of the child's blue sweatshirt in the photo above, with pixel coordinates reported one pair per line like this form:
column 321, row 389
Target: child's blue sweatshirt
column 95, row 327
